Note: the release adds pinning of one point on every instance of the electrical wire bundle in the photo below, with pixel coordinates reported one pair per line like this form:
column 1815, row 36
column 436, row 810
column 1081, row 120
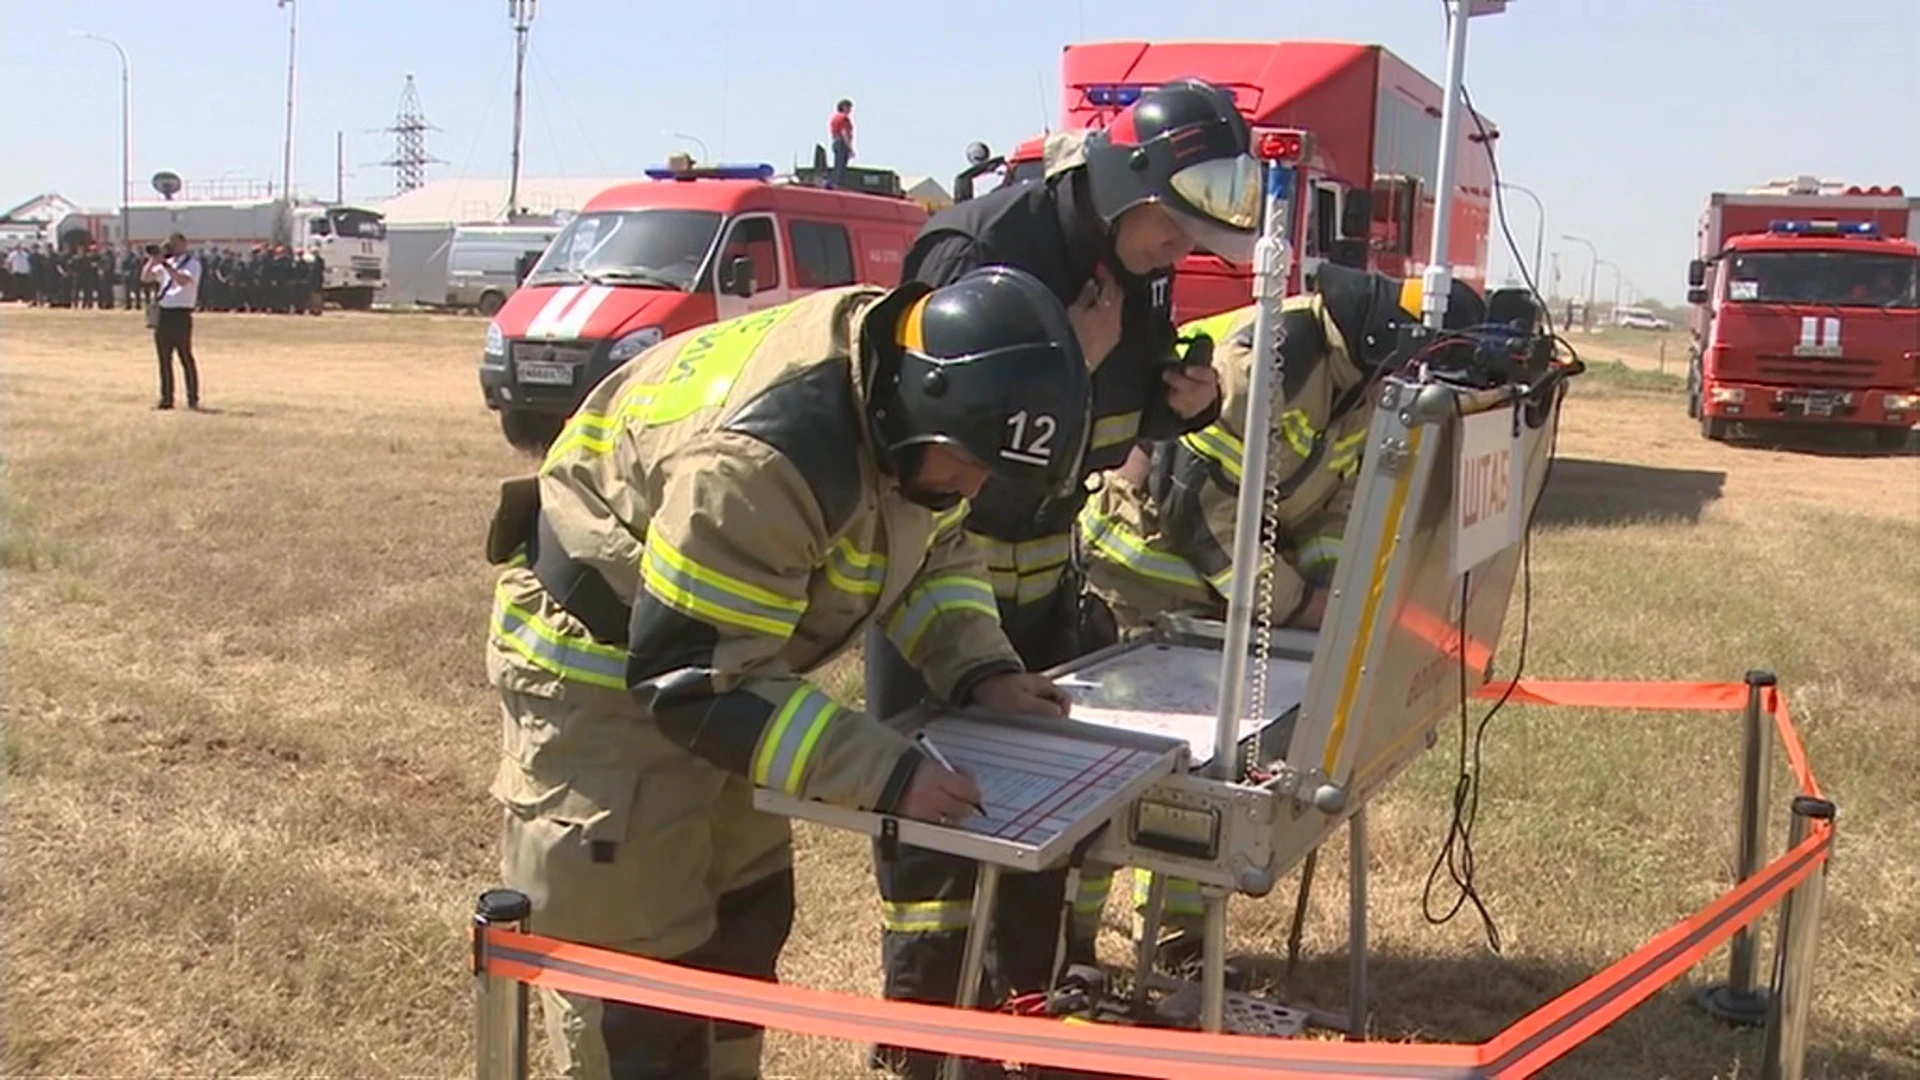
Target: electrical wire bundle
column 1456, row 854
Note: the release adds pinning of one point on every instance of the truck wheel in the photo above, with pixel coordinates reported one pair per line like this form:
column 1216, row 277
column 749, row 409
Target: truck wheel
column 529, row 431
column 1714, row 428
column 1892, row 439
column 353, row 299
column 490, row 303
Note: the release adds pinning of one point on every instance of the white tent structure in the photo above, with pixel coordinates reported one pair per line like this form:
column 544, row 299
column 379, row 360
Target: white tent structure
column 469, row 200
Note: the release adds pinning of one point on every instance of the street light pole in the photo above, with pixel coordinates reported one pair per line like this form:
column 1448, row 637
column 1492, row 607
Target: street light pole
column 1614, row 312
column 1539, row 230
column 126, row 129
column 286, row 153
column 1593, row 271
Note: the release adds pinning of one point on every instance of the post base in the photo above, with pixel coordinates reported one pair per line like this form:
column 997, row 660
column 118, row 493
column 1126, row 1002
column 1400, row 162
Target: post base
column 1741, row 1010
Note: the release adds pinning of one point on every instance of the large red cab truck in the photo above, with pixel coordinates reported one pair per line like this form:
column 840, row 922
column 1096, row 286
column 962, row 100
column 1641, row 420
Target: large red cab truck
column 1806, row 310
column 1374, row 123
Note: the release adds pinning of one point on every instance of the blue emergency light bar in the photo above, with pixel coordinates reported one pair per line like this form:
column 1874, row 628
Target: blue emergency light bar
column 1824, row 228
column 712, row 172
column 1115, row 96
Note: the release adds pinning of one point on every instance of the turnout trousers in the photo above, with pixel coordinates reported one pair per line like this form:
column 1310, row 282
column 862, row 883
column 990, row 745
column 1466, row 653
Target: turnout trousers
column 651, row 851
column 927, row 896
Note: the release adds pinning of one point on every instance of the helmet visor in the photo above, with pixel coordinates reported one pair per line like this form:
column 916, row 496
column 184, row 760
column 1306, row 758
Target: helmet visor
column 1221, row 210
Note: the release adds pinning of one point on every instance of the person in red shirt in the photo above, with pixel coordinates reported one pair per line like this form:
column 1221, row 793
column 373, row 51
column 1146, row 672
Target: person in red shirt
column 840, row 131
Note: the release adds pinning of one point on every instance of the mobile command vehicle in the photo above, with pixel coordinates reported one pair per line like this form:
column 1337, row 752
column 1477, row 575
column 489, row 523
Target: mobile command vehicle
column 484, row 262
column 687, row 247
column 351, row 241
column 1373, row 153
column 1805, row 310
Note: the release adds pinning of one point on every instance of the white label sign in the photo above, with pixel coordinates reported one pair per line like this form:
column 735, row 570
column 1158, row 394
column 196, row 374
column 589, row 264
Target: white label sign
column 1488, row 489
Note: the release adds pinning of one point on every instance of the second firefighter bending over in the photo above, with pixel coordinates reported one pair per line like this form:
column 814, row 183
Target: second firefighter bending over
column 1158, row 537
column 1103, row 230
column 1159, row 534
column 724, row 514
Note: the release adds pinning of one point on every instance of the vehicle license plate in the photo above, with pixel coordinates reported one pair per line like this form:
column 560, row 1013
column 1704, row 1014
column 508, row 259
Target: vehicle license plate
column 545, row 373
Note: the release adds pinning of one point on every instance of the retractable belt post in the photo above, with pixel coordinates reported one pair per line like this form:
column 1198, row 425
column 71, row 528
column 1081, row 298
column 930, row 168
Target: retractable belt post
column 1737, row 1001
column 1795, row 950
column 500, row 1004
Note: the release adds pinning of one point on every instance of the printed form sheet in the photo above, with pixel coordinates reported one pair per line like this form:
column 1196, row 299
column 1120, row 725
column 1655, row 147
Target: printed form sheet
column 1035, row 785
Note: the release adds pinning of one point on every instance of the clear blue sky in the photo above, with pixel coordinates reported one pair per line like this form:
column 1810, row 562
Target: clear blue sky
column 1621, row 114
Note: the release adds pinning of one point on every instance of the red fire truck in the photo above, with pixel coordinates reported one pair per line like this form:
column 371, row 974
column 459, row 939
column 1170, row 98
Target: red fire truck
column 1806, row 309
column 1375, row 123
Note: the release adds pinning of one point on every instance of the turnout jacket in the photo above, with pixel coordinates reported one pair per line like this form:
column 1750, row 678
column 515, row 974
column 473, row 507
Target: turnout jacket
column 1174, row 529
column 715, row 509
column 1042, row 228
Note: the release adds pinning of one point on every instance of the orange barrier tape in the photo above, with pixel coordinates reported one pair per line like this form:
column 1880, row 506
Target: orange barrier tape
column 1125, row 1051
column 1523, row 1048
column 1665, row 697
column 1554, row 1029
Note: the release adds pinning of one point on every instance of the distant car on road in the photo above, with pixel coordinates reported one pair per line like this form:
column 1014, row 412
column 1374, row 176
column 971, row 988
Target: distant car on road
column 1639, row 318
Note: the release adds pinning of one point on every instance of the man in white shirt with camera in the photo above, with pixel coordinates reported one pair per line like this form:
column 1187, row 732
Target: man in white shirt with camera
column 177, row 273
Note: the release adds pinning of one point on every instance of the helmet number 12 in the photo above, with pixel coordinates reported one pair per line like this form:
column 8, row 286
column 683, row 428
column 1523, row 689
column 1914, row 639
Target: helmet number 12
column 1029, row 439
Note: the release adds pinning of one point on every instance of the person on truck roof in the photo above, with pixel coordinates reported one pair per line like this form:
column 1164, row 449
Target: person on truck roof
column 723, row 515
column 1103, row 230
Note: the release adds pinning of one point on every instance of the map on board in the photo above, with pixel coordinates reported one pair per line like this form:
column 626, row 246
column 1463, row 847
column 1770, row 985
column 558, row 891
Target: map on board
column 1174, row 690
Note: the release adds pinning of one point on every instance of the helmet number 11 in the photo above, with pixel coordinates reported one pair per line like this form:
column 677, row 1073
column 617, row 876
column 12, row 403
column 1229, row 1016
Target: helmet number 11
column 1030, row 439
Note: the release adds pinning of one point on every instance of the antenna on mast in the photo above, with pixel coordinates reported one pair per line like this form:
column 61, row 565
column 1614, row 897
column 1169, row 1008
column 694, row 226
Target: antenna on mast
column 522, row 12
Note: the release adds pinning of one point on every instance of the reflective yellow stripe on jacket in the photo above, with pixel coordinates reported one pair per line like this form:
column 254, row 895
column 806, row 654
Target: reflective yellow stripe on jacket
column 923, row 605
column 780, row 761
column 578, row 658
column 711, row 596
column 1129, row 549
column 926, row 916
column 852, row 570
column 1344, row 460
column 1028, row 571
column 701, row 376
column 1114, row 430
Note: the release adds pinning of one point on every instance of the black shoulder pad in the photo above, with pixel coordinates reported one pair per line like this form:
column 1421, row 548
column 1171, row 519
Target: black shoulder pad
column 1365, row 306
column 1303, row 345
column 811, row 418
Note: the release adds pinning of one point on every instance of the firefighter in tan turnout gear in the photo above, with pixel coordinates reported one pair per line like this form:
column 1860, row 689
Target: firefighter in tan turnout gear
column 1158, row 536
column 725, row 513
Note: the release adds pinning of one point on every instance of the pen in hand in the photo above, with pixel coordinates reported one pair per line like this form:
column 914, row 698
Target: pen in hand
column 926, row 745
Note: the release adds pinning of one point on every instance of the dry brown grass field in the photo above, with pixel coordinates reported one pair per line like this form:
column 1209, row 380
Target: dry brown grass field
column 247, row 734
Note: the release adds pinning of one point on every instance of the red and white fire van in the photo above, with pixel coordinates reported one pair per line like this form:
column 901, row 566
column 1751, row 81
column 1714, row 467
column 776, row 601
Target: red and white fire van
column 686, row 247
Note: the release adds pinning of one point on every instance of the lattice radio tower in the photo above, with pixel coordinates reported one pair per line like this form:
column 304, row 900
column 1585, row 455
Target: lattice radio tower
column 410, row 158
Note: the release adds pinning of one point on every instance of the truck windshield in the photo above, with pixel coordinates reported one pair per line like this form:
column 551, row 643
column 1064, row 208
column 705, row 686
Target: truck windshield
column 357, row 224
column 660, row 248
column 1838, row 279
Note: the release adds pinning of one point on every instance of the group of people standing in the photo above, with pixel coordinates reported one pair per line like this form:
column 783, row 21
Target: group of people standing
column 267, row 279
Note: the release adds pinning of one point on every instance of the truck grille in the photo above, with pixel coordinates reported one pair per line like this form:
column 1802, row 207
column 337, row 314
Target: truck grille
column 365, row 274
column 1816, row 370
column 557, row 352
